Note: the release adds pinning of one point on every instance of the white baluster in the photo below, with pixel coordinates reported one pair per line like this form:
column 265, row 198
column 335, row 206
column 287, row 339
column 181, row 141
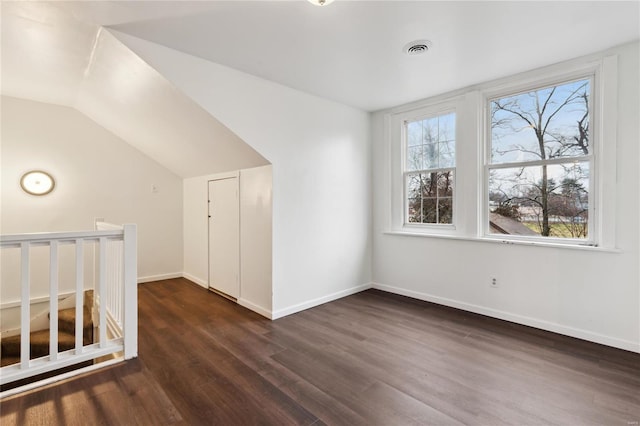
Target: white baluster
column 53, row 300
column 102, row 327
column 79, row 295
column 25, row 305
column 120, row 280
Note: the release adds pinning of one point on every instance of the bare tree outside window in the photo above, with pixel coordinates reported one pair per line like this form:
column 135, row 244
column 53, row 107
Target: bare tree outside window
column 430, row 169
column 540, row 165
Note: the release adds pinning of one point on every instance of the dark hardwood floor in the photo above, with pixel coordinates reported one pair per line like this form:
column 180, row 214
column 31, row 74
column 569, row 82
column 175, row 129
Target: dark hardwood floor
column 371, row 358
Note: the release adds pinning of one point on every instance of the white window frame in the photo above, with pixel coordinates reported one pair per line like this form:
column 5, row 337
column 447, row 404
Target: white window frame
column 471, row 212
column 406, row 173
column 594, row 142
column 398, row 135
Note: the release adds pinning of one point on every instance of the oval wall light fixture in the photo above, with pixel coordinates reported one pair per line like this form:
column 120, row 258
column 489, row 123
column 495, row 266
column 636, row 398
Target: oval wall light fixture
column 37, row 182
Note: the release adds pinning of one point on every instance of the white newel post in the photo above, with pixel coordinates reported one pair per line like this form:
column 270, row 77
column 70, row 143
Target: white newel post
column 130, row 292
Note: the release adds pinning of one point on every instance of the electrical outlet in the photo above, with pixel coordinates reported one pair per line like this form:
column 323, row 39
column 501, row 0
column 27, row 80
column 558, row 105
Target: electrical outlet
column 494, row 283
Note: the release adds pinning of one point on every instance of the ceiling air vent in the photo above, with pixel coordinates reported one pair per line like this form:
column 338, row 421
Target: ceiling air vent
column 417, row 47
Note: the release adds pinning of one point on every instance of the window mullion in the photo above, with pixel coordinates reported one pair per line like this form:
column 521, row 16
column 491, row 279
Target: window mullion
column 550, row 161
column 426, row 171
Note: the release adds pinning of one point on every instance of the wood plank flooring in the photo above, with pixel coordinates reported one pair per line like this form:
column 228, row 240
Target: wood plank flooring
column 369, row 359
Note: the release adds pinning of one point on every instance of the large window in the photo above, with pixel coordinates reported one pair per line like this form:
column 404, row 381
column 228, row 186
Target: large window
column 540, row 162
column 429, row 173
column 528, row 159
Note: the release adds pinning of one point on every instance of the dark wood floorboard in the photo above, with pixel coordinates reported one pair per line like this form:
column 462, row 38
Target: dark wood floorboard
column 369, row 359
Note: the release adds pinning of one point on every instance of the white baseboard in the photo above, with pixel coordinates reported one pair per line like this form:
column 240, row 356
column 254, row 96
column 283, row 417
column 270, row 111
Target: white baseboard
column 319, row 301
column 255, row 308
column 518, row 319
column 199, row 281
column 159, row 277
column 242, row 302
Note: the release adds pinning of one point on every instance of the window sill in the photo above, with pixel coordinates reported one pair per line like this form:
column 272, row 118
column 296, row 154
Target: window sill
column 494, row 240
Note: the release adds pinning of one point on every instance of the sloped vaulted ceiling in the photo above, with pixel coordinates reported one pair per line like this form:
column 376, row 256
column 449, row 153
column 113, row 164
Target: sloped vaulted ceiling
column 50, row 56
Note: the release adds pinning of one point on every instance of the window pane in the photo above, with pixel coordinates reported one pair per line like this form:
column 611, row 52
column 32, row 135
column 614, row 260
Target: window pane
column 430, row 156
column 543, row 124
column 445, row 210
column 429, row 210
column 447, row 154
column 414, row 133
column 430, row 130
column 548, row 201
column 413, row 186
column 430, row 185
column 447, row 128
column 414, row 198
column 415, row 210
column 414, row 158
column 445, row 184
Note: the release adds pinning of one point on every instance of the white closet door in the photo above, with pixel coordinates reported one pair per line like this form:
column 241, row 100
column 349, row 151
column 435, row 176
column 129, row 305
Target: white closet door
column 224, row 236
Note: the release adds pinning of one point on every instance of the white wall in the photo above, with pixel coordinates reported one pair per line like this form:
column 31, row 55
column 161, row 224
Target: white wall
column 256, row 223
column 195, row 229
column 321, row 157
column 321, row 216
column 97, row 175
column 132, row 100
column 255, row 235
column 589, row 294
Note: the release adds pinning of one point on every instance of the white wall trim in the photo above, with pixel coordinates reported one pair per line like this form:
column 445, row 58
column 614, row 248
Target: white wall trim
column 255, row 308
column 193, row 278
column 159, row 277
column 518, row 319
column 504, row 239
column 319, row 301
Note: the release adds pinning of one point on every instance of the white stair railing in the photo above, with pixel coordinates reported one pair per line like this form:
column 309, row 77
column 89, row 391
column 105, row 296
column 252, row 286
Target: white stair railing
column 114, row 296
column 116, row 285
column 115, row 293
